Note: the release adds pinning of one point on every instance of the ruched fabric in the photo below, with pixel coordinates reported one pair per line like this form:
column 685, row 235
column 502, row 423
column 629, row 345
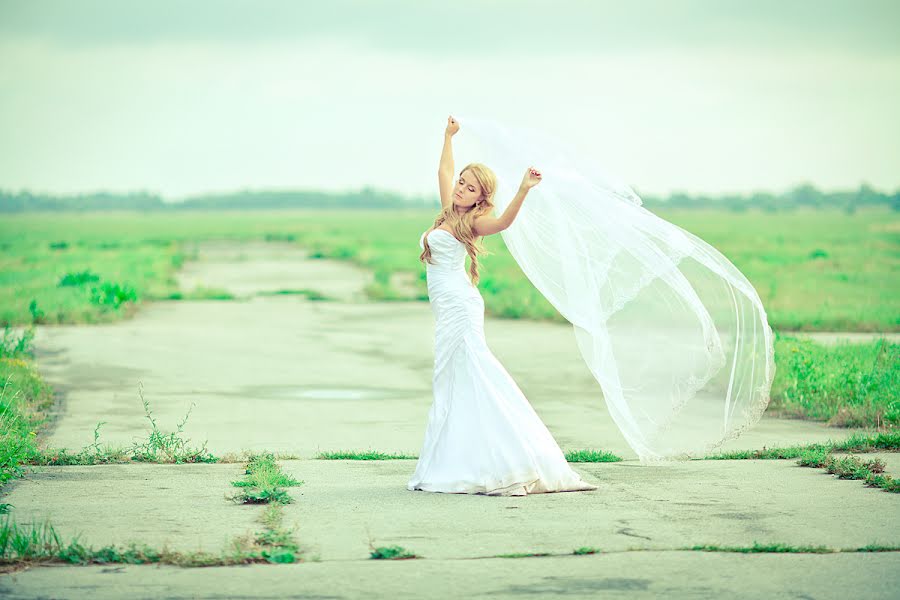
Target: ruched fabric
column 482, row 436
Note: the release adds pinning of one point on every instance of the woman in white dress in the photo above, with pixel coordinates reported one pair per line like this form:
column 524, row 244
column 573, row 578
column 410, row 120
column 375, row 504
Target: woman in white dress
column 482, row 435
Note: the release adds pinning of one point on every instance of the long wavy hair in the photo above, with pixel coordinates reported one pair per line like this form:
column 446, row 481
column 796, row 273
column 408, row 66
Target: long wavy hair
column 461, row 224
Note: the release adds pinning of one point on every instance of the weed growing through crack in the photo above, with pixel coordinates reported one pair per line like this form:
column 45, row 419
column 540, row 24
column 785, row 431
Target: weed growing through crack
column 583, row 456
column 263, row 482
column 820, row 455
column 39, row 542
column 757, row 547
column 273, row 544
column 167, row 447
column 159, row 447
column 522, row 554
column 851, row 467
column 362, row 455
column 390, row 552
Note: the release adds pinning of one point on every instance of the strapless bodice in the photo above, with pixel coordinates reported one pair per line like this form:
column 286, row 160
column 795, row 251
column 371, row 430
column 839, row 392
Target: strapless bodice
column 447, row 252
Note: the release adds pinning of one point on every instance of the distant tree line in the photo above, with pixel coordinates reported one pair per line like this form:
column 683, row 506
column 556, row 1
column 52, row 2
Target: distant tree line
column 368, row 198
column 805, row 195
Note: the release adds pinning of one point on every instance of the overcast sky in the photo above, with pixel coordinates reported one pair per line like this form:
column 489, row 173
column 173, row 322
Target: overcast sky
column 182, row 97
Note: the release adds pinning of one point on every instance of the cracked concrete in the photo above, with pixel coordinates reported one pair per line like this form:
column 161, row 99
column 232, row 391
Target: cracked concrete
column 288, row 374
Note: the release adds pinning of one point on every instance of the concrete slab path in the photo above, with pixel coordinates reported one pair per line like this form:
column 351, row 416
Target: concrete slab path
column 288, row 374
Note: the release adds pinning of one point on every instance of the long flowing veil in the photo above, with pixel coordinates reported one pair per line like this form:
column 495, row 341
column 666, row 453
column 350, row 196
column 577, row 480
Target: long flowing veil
column 672, row 331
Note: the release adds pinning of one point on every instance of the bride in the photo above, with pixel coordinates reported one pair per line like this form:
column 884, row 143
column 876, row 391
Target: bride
column 482, row 435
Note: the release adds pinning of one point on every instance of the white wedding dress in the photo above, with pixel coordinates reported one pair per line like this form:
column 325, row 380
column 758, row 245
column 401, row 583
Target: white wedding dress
column 482, row 435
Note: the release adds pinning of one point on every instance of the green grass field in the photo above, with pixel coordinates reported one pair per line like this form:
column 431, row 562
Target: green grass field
column 813, row 270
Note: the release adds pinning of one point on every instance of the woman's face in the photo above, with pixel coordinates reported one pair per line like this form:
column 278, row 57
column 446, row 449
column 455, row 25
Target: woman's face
column 467, row 191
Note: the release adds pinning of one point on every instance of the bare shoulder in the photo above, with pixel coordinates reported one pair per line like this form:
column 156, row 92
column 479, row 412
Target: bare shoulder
column 486, row 225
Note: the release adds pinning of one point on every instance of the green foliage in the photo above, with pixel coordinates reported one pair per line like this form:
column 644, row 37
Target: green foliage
column 79, row 278
column 17, row 346
column 39, row 542
column 583, row 456
column 820, row 455
column 167, row 447
column 767, row 548
column 112, row 295
column 158, row 447
column 813, row 269
column 37, row 315
column 847, row 385
column 856, row 442
column 391, row 553
column 362, row 455
column 263, row 481
column 24, row 401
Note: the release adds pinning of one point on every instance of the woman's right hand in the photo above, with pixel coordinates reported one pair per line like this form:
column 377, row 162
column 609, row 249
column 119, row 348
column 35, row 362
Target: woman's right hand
column 452, row 126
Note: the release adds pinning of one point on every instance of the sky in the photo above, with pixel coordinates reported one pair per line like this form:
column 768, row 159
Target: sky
column 190, row 97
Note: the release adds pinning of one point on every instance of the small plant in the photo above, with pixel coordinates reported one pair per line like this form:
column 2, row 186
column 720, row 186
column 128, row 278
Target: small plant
column 819, row 455
column 37, row 315
column 40, row 543
column 758, row 548
column 577, row 456
column 813, row 457
column 390, row 553
column 263, row 482
column 159, row 447
column 16, row 440
column 112, row 295
column 80, row 278
column 13, row 346
column 167, row 447
column 362, row 455
column 274, row 544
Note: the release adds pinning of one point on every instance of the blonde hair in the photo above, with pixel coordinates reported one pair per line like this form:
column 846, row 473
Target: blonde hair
column 462, row 224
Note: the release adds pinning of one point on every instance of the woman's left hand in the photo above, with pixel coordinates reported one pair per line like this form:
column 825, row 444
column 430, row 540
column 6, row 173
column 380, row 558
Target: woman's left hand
column 531, row 179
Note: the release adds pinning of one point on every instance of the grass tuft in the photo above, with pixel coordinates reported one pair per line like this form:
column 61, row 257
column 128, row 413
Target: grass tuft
column 820, row 455
column 39, row 542
column 522, row 554
column 362, row 455
column 584, row 456
column 391, row 553
column 263, row 482
column 757, row 547
column 159, row 447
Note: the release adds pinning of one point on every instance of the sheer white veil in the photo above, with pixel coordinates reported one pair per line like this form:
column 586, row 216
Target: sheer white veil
column 674, row 334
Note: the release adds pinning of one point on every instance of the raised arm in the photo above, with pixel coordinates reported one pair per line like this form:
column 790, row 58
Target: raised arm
column 445, row 169
column 487, row 225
